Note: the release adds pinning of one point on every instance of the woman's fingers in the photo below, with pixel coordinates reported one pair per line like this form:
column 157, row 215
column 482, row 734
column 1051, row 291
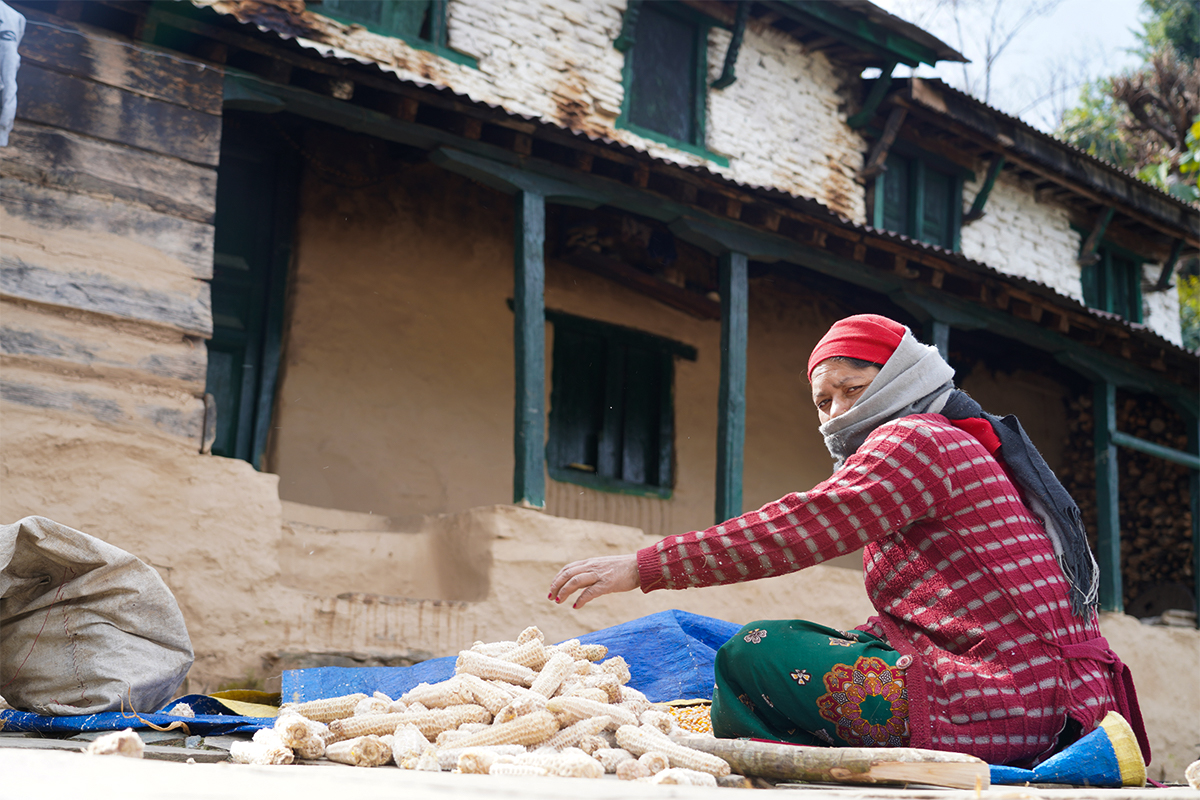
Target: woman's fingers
column 594, row 577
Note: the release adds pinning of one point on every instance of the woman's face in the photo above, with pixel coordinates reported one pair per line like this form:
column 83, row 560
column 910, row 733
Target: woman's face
column 836, row 386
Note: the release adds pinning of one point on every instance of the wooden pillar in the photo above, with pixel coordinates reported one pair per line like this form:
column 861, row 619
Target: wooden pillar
column 731, row 403
column 529, row 346
column 1108, row 519
column 937, row 333
column 1193, row 423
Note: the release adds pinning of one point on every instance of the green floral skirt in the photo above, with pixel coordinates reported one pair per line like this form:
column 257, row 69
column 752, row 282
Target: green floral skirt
column 796, row 681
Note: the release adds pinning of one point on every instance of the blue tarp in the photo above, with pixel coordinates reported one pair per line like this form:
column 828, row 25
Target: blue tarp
column 209, row 720
column 670, row 656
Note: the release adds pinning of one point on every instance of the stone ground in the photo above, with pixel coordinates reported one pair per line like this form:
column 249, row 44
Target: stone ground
column 53, row 768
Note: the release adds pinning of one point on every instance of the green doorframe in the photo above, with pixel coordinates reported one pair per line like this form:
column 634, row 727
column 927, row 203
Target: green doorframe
column 1108, row 515
column 529, row 349
column 731, row 398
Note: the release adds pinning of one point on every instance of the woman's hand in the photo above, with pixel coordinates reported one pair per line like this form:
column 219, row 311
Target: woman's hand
column 595, row 576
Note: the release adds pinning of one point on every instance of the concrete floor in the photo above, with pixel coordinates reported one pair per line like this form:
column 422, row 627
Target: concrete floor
column 30, row 773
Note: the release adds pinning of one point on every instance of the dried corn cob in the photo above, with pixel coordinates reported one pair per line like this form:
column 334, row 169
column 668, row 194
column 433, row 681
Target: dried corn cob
column 304, row 737
column 450, row 692
column 530, row 729
column 483, row 693
column 582, row 668
column 477, row 759
column 408, row 743
column 265, row 748
column 118, row 743
column 430, row 723
column 572, row 709
column 553, row 674
column 531, row 654
column 362, row 751
column 372, row 705
column 682, row 777
column 522, row 770
column 570, row 735
column 493, row 648
column 531, row 633
column 655, row 761
column 646, row 739
column 493, row 668
column 593, row 693
column 659, row 719
column 590, row 743
column 526, row 704
column 617, row 666
column 576, row 764
column 611, row 757
column 327, row 710
column 608, row 683
column 631, row 769
column 428, row 762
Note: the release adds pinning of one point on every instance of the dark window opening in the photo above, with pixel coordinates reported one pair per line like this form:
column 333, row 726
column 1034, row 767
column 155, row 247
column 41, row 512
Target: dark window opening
column 1114, row 283
column 611, row 408
column 919, row 200
column 667, row 75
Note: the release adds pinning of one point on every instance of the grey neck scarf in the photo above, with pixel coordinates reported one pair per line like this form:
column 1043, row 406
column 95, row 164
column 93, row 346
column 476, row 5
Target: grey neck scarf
column 916, row 380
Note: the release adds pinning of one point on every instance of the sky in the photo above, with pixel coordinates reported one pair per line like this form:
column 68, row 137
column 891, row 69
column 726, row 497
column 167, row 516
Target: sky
column 1039, row 74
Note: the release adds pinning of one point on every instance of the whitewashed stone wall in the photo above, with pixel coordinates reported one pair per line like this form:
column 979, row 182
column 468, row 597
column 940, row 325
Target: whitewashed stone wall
column 1160, row 310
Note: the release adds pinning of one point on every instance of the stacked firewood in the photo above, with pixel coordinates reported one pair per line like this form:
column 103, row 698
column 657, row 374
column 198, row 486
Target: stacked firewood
column 1155, row 512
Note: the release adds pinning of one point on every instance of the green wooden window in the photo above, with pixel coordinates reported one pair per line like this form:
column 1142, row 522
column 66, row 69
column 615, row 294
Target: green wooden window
column 666, row 70
column 421, row 23
column 256, row 187
column 1114, row 283
column 919, row 199
column 611, row 408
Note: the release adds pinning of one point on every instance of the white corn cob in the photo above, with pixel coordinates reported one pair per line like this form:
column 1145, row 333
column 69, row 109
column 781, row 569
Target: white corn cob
column 570, row 735
column 532, row 654
column 590, row 743
column 607, row 683
column 428, row 762
column 451, row 692
column 181, row 710
column 305, row 737
column 611, row 757
column 646, row 739
column 118, row 743
column 590, row 652
column 522, row 770
column 631, row 769
column 493, row 648
column 572, row 709
column 531, row 633
column 525, row 704
column 530, row 729
column 264, row 748
column 476, row 760
column 372, row 705
column 361, row 751
column 553, row 674
column 575, row 764
column 655, row 761
column 408, row 742
column 682, row 777
column 397, row 707
column 660, row 720
column 484, row 693
column 431, row 722
column 582, row 668
column 594, row 693
column 488, row 667
column 327, row 710
column 617, row 666
column 415, row 706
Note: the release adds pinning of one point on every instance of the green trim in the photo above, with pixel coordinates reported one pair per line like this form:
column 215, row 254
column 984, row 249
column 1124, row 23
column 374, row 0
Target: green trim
column 919, row 161
column 852, row 27
column 1188, row 460
column 601, row 484
column 874, row 97
column 699, row 101
column 731, row 399
column 985, row 191
column 729, row 70
column 628, row 36
column 1108, row 513
column 529, row 350
column 438, row 45
column 1104, row 252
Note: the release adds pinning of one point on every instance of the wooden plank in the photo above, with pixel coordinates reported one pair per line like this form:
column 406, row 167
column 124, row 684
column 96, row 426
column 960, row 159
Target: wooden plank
column 96, row 54
column 1108, row 514
column 731, row 397
column 102, row 294
column 171, row 414
column 529, row 347
column 35, row 213
column 879, row 152
column 697, row 305
column 87, row 345
column 1087, row 252
column 81, row 106
column 63, row 160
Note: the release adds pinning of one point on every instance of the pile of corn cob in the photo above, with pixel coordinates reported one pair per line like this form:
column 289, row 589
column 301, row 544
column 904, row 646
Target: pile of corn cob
column 512, row 708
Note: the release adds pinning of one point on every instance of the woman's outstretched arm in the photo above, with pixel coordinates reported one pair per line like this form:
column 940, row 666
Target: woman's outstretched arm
column 595, row 577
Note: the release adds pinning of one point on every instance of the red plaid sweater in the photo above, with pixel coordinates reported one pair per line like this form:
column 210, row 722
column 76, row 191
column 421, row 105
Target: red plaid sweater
column 961, row 573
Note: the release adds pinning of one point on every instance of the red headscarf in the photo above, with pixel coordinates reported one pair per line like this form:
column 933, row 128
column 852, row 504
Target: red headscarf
column 873, row 338
column 869, row 337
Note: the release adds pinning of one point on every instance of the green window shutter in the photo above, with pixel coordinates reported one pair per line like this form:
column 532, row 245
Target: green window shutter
column 895, row 195
column 577, row 399
column 1127, row 287
column 935, row 226
column 666, row 78
column 408, row 19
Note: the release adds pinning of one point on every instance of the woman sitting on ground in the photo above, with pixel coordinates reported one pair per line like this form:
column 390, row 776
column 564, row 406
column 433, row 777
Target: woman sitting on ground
column 974, row 556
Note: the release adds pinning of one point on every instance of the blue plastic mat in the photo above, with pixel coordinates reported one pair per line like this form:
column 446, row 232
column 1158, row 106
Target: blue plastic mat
column 670, row 656
column 209, row 721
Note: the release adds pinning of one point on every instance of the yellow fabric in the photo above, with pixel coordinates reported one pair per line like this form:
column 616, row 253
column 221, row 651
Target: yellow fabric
column 1126, row 749
column 249, row 703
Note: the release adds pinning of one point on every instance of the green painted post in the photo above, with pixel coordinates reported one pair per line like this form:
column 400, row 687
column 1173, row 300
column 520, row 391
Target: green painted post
column 529, row 346
column 937, row 333
column 1108, row 518
column 731, row 402
column 1193, row 423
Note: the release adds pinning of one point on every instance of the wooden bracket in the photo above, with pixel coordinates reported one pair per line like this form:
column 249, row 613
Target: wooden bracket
column 1087, row 253
column 879, row 152
column 1164, row 277
column 874, row 97
column 981, row 199
column 728, row 76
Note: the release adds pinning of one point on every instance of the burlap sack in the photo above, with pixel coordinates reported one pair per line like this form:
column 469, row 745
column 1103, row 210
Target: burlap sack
column 84, row 626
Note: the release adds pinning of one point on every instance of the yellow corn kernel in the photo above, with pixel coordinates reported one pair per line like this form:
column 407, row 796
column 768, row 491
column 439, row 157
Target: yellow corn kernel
column 327, row 710
column 572, row 709
column 531, row 633
column 553, row 674
column 530, row 729
column 491, row 668
column 646, row 739
column 570, row 735
column 362, row 751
